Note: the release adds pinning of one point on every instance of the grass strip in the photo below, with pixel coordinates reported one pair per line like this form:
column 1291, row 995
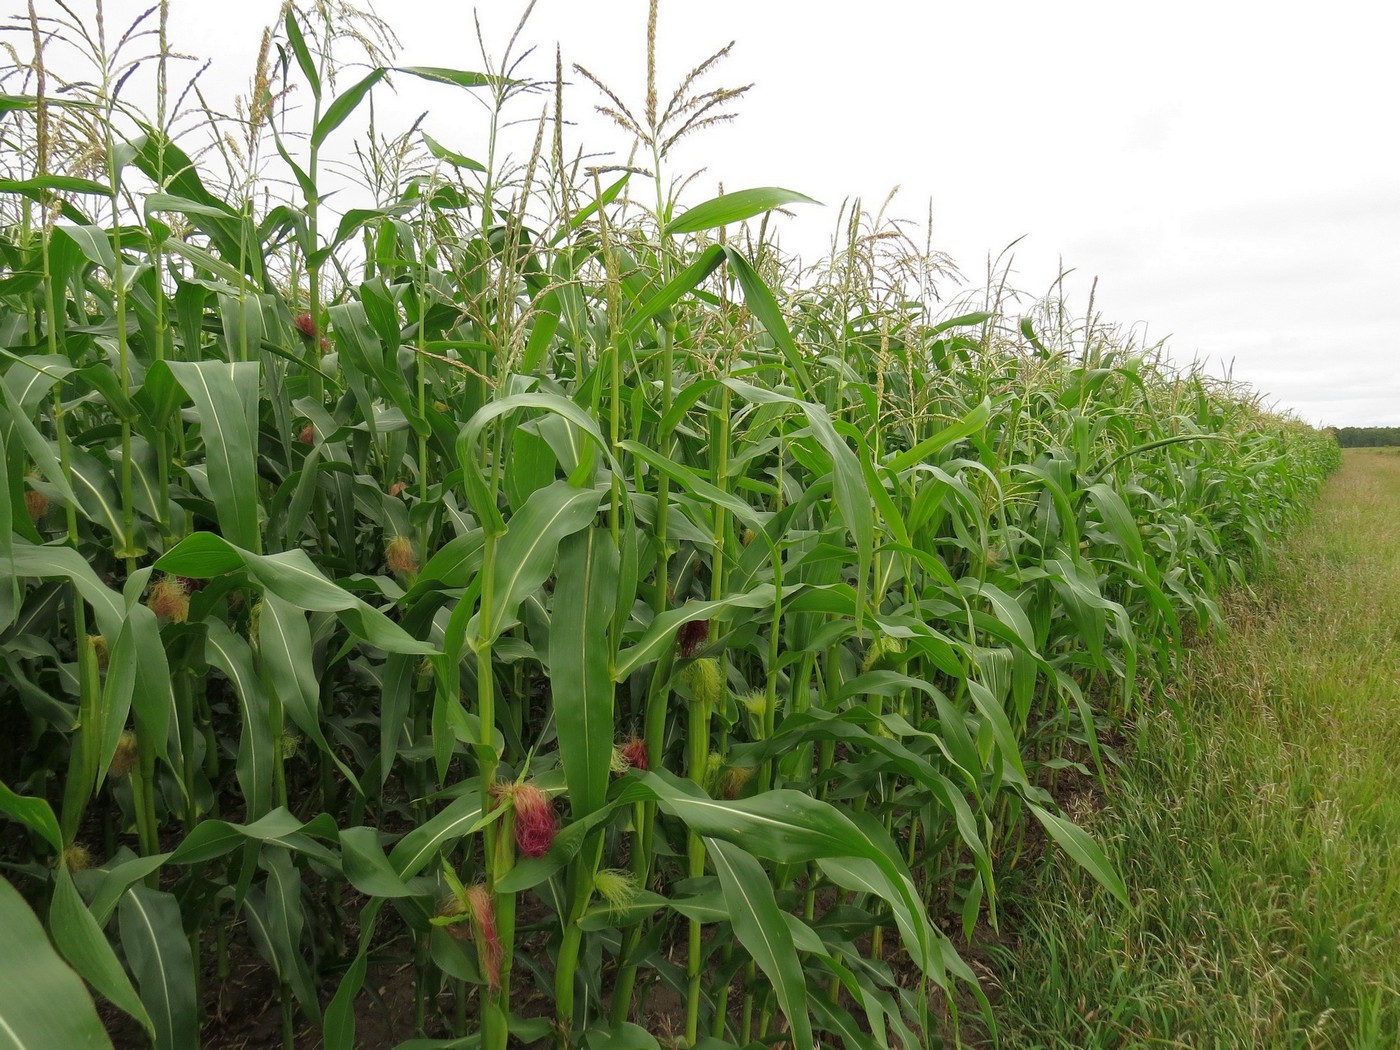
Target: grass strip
column 1257, row 825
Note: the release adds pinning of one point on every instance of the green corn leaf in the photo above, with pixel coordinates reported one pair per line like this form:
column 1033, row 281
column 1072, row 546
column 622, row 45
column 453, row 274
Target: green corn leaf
column 35, row 187
column 284, row 648
column 226, row 398
column 685, row 281
column 626, row 1036
column 864, row 732
column 343, row 106
column 791, row 827
column 293, row 577
column 972, row 423
column 117, row 880
column 43, row 1004
column 9, row 582
column 153, row 938
column 338, row 1027
column 33, row 813
column 582, row 682
column 242, row 319
column 590, row 209
column 216, row 838
column 29, row 380
column 416, row 849
column 837, row 1019
column 962, row 321
column 993, row 711
column 96, row 492
column 133, row 634
column 527, row 551
column 1087, row 853
column 64, row 562
column 364, row 350
column 21, row 432
column 302, row 53
column 368, row 870
column 760, row 927
column 147, row 694
column 231, row 655
column 759, row 298
column 460, row 77
column 852, row 498
column 277, row 918
column 552, row 403
column 662, row 630
column 1119, row 519
column 118, row 687
column 85, row 946
column 698, row 486
column 92, row 242
column 734, row 207
column 457, row 160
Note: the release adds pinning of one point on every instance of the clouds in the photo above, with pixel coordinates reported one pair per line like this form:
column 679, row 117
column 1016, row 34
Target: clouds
column 1230, row 171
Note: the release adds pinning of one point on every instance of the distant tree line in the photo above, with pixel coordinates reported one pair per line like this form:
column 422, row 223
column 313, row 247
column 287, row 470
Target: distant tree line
column 1366, row 437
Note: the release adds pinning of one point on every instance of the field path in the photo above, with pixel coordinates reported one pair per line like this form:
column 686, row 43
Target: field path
column 1258, row 826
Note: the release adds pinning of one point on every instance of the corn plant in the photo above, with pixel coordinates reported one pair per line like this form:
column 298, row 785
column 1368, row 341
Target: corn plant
column 562, row 589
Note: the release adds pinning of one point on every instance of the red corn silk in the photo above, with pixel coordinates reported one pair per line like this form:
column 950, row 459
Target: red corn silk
column 484, row 922
column 634, row 752
column 536, row 821
column 692, row 637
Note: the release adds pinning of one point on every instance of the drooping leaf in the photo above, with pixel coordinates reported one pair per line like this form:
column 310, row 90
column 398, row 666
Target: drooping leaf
column 43, row 1003
column 85, row 946
column 760, row 927
column 1087, row 853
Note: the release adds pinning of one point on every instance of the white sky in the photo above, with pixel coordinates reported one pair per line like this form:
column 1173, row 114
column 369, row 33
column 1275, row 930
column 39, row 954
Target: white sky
column 1229, row 170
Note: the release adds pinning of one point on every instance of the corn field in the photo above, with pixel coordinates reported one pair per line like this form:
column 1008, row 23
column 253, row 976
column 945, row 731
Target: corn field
column 535, row 582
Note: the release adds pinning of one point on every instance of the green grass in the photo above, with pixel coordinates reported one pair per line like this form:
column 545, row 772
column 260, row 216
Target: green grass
column 1256, row 828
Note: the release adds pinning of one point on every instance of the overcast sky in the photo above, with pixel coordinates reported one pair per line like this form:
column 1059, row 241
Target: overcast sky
column 1229, row 171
